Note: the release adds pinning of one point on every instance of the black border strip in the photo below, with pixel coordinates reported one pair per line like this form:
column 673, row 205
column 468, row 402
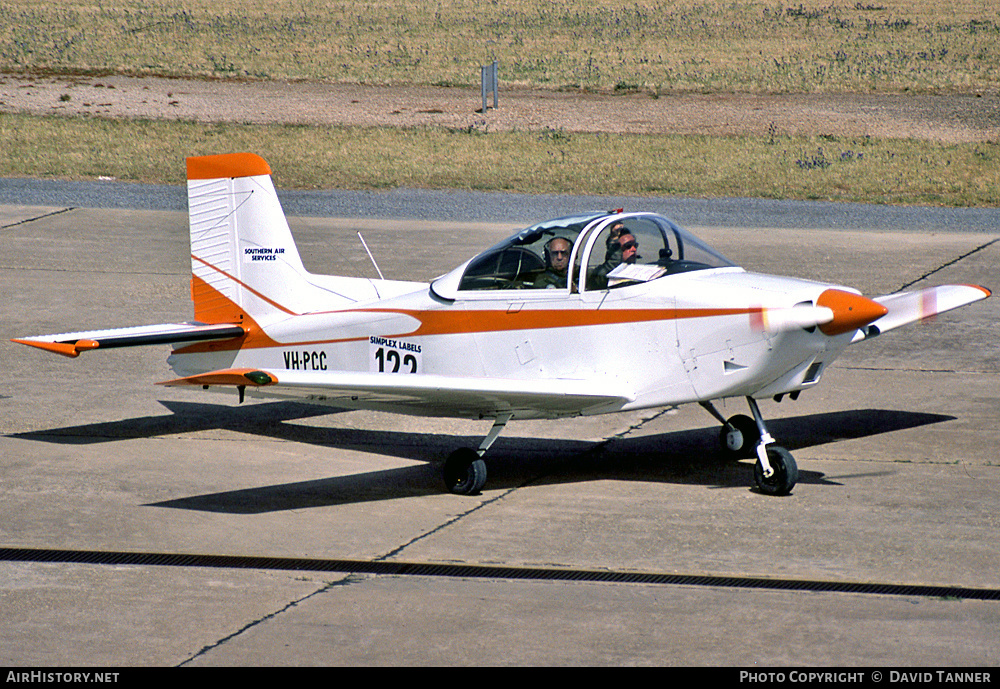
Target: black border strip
column 426, row 569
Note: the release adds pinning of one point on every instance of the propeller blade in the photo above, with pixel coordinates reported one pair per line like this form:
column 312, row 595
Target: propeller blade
column 805, row 316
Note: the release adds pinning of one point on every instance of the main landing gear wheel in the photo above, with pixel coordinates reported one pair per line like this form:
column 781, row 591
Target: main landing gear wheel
column 464, row 472
column 785, row 476
column 739, row 436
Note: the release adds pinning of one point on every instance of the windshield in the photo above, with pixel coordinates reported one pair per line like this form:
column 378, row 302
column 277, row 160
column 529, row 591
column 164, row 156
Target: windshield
column 535, row 258
column 639, row 248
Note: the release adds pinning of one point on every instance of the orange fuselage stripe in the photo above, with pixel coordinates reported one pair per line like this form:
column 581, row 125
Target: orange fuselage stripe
column 495, row 320
column 439, row 322
column 481, row 321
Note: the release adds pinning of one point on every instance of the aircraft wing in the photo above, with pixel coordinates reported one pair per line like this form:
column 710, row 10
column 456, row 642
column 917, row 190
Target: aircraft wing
column 909, row 307
column 71, row 344
column 430, row 394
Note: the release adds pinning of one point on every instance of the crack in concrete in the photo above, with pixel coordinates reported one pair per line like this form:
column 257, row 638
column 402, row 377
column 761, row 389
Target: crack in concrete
column 596, row 448
column 39, row 217
column 349, row 579
column 950, row 263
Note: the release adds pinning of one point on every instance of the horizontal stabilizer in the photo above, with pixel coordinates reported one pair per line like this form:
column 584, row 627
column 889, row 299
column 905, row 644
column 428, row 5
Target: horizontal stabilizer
column 71, row 344
column 920, row 305
column 431, row 394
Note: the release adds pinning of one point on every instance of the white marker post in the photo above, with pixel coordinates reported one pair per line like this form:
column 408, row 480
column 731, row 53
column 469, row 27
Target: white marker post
column 490, row 82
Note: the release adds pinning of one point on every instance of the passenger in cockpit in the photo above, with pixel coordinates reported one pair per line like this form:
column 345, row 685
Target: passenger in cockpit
column 622, row 247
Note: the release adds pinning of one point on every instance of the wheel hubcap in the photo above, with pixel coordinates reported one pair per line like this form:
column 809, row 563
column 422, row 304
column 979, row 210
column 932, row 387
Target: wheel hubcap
column 734, row 440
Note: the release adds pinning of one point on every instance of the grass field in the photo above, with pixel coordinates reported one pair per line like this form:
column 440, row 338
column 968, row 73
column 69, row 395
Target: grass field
column 655, row 46
column 828, row 168
column 658, row 45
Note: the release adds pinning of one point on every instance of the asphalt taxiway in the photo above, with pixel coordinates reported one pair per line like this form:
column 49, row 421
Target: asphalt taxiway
column 899, row 487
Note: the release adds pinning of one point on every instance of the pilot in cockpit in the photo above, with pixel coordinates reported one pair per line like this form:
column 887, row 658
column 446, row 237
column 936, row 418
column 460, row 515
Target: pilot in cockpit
column 557, row 251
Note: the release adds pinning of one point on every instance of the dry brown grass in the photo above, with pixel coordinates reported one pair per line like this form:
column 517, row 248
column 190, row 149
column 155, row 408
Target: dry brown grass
column 829, row 168
column 658, row 45
column 654, row 45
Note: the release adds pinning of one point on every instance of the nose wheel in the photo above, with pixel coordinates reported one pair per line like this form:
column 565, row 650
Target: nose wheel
column 742, row 437
column 784, row 472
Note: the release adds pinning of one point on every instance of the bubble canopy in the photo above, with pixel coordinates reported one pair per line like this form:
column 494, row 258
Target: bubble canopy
column 579, row 253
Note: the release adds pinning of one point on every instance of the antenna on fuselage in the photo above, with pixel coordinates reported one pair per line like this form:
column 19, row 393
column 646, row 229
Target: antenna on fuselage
column 364, row 244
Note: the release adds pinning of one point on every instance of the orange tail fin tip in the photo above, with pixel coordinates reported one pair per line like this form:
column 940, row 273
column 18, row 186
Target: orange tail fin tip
column 227, row 165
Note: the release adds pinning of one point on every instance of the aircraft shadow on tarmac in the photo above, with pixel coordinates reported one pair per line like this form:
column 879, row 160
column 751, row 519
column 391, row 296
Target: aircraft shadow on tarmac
column 681, row 457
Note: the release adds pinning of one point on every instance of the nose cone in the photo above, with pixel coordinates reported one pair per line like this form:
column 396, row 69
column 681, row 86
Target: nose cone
column 850, row 311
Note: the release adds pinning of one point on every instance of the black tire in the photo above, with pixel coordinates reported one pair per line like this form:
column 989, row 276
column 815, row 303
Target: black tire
column 464, row 472
column 739, row 437
column 785, row 476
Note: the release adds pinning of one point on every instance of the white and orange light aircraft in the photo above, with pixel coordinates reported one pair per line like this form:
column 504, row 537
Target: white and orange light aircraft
column 534, row 327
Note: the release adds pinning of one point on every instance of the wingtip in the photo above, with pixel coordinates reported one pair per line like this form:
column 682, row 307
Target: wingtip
column 67, row 349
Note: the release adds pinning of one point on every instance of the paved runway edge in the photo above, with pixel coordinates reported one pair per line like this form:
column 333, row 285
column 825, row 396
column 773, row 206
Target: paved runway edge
column 474, row 206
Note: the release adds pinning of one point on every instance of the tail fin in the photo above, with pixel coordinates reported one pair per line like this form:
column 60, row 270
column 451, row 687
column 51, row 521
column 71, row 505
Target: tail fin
column 244, row 262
